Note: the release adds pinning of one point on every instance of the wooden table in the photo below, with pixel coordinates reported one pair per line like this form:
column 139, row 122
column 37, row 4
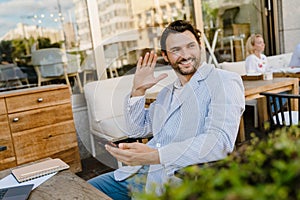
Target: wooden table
column 253, row 88
column 286, row 74
column 65, row 185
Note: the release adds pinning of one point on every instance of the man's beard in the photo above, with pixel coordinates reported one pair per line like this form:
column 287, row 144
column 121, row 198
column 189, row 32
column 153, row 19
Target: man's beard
column 183, row 71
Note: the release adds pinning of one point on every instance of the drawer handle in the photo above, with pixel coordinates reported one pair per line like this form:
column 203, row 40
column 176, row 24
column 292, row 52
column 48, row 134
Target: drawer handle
column 49, row 136
column 3, row 148
column 16, row 119
column 40, row 100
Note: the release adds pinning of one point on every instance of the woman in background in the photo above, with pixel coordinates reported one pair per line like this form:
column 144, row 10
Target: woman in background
column 256, row 61
column 295, row 60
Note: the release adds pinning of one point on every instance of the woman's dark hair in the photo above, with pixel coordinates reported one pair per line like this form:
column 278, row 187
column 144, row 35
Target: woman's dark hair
column 178, row 26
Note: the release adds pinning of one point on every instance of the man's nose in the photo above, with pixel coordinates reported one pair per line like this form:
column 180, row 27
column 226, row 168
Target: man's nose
column 184, row 53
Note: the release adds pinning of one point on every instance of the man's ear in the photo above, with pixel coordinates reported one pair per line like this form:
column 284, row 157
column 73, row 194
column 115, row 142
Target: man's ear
column 165, row 56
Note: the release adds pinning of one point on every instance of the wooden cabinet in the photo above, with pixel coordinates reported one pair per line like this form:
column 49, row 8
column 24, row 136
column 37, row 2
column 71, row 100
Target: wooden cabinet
column 7, row 157
column 39, row 124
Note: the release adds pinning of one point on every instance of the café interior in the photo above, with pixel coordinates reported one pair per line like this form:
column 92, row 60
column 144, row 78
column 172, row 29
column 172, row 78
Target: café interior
column 61, row 92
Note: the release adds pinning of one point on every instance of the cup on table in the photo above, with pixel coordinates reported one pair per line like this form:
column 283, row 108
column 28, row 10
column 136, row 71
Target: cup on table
column 268, row 76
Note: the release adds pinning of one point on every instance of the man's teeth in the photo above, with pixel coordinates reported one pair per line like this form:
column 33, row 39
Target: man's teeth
column 186, row 62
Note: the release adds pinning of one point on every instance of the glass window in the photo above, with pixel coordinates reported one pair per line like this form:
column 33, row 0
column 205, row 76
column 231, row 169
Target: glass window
column 129, row 26
column 138, row 26
column 122, row 28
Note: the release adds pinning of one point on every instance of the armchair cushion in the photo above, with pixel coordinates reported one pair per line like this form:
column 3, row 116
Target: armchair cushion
column 105, row 99
column 238, row 67
column 114, row 127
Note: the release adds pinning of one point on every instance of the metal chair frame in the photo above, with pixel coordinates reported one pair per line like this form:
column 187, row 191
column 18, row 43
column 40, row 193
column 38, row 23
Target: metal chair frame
column 280, row 109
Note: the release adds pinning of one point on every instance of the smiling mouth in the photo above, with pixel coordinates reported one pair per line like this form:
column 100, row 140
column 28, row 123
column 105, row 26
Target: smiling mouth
column 186, row 61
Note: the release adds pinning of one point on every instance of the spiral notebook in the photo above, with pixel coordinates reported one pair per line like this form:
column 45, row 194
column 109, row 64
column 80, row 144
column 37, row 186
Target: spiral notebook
column 39, row 169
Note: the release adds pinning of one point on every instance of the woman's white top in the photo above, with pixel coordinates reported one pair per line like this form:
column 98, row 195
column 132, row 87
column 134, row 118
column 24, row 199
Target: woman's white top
column 255, row 64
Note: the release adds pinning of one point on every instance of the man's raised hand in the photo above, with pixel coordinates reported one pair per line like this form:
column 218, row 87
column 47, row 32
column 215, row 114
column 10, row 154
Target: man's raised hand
column 144, row 74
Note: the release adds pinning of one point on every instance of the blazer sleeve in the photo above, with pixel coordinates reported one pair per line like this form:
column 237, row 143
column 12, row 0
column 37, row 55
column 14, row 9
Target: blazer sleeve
column 137, row 118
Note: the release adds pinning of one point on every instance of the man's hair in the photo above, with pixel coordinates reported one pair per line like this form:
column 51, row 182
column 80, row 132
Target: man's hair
column 178, row 26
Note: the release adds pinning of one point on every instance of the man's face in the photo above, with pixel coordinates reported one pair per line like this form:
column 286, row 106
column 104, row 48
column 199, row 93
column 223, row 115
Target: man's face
column 183, row 52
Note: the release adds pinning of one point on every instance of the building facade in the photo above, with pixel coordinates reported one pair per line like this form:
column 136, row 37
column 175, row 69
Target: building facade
column 23, row 31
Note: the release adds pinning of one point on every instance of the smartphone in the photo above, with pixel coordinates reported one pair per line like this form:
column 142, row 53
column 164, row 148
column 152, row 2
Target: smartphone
column 112, row 144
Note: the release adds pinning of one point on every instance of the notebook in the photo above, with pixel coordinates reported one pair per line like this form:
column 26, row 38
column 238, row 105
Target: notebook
column 20, row 192
column 39, row 169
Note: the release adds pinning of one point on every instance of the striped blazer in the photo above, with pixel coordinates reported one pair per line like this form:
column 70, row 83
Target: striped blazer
column 198, row 125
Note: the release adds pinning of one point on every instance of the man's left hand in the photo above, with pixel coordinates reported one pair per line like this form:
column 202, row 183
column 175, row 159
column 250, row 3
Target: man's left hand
column 134, row 154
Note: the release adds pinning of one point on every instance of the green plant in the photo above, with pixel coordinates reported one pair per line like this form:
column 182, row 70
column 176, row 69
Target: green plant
column 264, row 169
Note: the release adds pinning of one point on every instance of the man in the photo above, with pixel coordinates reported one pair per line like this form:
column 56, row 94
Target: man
column 195, row 120
column 295, row 60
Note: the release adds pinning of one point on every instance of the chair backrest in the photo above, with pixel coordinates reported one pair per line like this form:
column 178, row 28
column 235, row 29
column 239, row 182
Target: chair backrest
column 88, row 63
column 73, row 63
column 238, row 67
column 280, row 109
column 279, row 61
column 50, row 61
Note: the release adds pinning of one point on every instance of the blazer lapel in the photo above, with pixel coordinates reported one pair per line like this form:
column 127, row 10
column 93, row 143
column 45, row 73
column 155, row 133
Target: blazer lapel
column 188, row 90
column 185, row 94
column 162, row 109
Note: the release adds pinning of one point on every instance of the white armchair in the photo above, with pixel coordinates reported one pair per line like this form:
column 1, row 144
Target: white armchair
column 238, row 67
column 105, row 100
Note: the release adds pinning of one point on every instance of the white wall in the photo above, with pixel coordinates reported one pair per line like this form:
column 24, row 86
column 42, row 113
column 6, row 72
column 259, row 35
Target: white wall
column 291, row 23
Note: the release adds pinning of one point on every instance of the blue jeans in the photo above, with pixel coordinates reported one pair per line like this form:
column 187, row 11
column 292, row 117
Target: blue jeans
column 107, row 184
column 120, row 190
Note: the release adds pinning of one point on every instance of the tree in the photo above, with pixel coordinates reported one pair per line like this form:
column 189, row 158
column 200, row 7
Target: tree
column 6, row 51
column 19, row 48
column 46, row 43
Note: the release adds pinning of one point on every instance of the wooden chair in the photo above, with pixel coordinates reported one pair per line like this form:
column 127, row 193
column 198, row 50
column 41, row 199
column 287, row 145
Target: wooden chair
column 88, row 68
column 52, row 64
column 11, row 75
column 283, row 109
column 73, row 68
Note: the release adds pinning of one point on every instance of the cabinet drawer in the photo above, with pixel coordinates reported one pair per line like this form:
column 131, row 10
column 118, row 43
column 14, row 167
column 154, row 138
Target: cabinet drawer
column 7, row 157
column 29, row 101
column 70, row 156
column 40, row 117
column 44, row 142
column 2, row 106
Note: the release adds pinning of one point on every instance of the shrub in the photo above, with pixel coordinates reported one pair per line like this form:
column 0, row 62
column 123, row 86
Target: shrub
column 264, row 169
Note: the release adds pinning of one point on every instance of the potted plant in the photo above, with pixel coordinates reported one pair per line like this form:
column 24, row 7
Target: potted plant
column 264, row 169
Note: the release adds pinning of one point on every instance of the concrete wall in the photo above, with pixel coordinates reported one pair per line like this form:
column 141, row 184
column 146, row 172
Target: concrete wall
column 81, row 121
column 291, row 24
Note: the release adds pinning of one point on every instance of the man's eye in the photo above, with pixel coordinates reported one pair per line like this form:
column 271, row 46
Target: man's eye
column 174, row 50
column 192, row 45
